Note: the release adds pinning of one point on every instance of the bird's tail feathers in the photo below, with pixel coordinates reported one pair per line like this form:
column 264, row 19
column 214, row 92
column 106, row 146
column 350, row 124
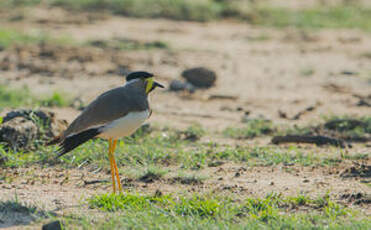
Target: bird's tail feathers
column 72, row 141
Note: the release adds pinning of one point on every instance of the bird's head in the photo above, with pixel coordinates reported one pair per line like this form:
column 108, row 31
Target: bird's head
column 147, row 78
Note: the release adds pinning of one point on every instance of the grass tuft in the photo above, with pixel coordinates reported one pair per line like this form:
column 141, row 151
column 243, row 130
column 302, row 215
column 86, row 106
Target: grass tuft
column 9, row 37
column 307, row 72
column 252, row 128
column 112, row 202
column 210, row 211
column 55, row 100
column 195, row 205
column 190, row 179
column 13, row 98
column 325, row 17
column 349, row 125
column 192, row 133
column 152, row 174
column 195, row 10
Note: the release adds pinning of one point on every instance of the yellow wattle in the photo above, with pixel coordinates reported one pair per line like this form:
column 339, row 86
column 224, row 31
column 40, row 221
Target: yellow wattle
column 149, row 85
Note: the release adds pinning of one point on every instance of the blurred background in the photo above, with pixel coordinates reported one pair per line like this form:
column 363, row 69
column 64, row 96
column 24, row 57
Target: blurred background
column 222, row 60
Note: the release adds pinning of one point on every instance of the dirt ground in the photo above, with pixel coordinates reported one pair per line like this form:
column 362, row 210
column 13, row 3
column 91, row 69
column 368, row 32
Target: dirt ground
column 265, row 69
column 266, row 75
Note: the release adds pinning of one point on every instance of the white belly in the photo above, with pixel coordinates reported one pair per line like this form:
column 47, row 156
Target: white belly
column 124, row 126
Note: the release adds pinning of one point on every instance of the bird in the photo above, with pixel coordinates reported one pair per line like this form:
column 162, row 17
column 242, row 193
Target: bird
column 116, row 113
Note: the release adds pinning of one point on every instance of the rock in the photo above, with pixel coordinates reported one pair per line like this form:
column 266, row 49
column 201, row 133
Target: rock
column 18, row 133
column 55, row 225
column 28, row 114
column 177, row 85
column 21, row 129
column 200, row 77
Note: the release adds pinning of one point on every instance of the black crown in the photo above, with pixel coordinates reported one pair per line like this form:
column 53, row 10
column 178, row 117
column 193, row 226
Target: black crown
column 138, row 74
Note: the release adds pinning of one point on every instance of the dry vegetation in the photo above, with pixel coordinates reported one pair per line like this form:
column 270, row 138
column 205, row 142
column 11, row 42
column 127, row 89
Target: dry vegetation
column 207, row 159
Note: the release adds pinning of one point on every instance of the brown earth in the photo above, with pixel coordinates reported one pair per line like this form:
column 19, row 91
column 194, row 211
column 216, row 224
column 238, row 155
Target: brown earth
column 264, row 68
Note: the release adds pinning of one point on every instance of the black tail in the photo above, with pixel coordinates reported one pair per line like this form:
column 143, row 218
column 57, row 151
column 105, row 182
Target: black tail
column 73, row 141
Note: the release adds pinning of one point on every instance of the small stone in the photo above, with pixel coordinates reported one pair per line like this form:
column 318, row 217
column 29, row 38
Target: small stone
column 177, row 85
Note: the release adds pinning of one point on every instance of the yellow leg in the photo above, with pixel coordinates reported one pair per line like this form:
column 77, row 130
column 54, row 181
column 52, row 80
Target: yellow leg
column 110, row 156
column 115, row 165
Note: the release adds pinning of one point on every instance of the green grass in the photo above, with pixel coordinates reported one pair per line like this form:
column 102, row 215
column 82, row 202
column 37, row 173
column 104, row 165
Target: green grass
column 152, row 154
column 55, row 100
column 196, row 205
column 193, row 133
column 15, row 98
column 306, row 72
column 151, row 174
column 195, row 10
column 162, row 148
column 341, row 15
column 350, row 126
column 189, row 178
column 323, row 17
column 16, row 3
column 356, row 129
column 20, row 97
column 343, row 127
column 196, row 211
column 251, row 129
column 10, row 37
column 258, row 38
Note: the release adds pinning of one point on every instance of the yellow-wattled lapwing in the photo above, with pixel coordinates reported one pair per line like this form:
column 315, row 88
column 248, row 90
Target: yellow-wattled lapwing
column 114, row 114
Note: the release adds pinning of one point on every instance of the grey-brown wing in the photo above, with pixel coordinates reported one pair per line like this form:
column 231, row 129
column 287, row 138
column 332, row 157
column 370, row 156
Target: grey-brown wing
column 108, row 107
